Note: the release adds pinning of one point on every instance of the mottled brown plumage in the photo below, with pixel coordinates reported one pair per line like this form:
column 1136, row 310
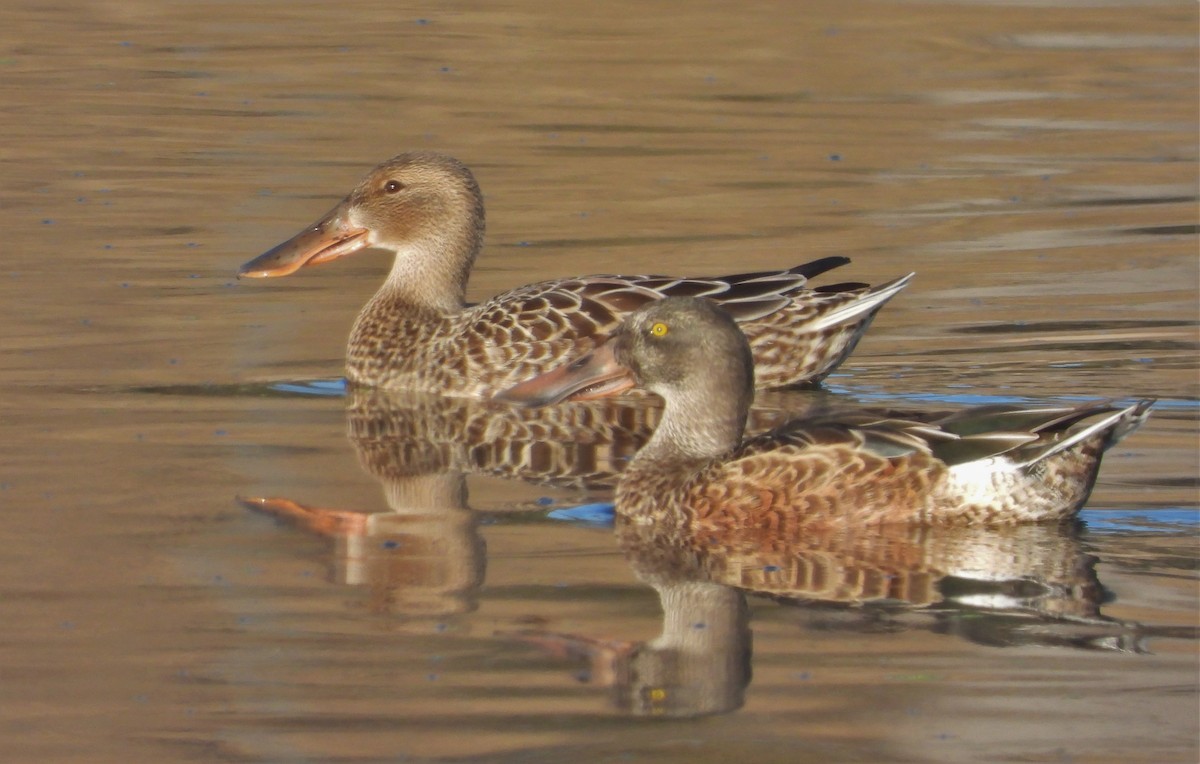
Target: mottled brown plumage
column 417, row 332
column 988, row 465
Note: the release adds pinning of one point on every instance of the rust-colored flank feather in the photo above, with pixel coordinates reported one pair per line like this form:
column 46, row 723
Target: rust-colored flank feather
column 417, row 332
column 987, row 466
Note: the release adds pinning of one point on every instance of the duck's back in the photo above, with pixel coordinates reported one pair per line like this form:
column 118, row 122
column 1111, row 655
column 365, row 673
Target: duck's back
column 796, row 333
column 868, row 469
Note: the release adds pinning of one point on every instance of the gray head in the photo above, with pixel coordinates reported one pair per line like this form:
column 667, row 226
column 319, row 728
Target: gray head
column 680, row 345
column 686, row 350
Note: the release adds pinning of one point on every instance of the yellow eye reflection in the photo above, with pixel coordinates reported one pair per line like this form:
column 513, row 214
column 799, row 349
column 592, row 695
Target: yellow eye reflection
column 659, row 329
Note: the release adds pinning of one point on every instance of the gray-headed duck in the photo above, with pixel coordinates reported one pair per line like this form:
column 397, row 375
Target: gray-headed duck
column 987, row 465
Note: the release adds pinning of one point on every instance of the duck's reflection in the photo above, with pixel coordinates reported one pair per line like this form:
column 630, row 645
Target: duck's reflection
column 398, row 435
column 1018, row 585
column 1025, row 584
column 425, row 557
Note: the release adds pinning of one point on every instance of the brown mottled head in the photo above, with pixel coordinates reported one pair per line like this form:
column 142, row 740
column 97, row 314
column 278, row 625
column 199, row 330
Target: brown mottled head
column 415, row 201
column 416, row 196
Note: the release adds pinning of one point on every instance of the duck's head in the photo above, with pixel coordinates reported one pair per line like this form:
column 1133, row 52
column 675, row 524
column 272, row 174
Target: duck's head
column 420, row 202
column 685, row 349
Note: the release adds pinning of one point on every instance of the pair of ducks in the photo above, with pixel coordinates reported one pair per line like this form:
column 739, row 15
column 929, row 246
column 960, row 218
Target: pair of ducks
column 703, row 345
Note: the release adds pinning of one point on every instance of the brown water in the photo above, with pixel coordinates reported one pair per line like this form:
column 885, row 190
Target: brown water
column 1035, row 163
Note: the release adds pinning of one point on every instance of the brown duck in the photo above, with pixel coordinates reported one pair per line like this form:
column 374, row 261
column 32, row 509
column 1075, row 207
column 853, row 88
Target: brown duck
column 987, row 465
column 418, row 333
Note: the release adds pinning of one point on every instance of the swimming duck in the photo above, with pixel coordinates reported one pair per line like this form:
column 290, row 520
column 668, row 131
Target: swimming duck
column 987, row 465
column 418, row 333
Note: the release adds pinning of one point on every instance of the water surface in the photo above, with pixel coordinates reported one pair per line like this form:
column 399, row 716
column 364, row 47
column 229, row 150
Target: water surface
column 201, row 565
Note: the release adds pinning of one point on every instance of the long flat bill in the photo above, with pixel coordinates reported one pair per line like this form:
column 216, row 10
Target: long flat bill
column 592, row 376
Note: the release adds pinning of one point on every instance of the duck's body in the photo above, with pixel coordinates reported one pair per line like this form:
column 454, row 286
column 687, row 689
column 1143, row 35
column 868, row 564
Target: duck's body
column 988, row 465
column 799, row 335
column 418, row 333
column 866, row 471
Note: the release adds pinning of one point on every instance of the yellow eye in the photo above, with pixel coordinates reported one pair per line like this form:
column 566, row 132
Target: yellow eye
column 659, row 329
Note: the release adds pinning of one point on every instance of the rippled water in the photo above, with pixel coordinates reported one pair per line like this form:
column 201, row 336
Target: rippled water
column 200, row 564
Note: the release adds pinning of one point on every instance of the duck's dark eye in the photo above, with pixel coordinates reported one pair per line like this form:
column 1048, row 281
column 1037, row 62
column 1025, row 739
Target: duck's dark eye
column 392, row 186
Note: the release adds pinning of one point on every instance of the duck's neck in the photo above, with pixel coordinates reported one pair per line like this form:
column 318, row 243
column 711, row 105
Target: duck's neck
column 431, row 273
column 425, row 289
column 698, row 424
column 420, row 289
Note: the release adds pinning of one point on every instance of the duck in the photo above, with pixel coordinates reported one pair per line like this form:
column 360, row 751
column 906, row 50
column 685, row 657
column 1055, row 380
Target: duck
column 418, row 332
column 990, row 465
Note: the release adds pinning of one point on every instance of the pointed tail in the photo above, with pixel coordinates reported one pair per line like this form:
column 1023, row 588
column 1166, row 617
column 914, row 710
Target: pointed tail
column 1115, row 426
column 870, row 302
